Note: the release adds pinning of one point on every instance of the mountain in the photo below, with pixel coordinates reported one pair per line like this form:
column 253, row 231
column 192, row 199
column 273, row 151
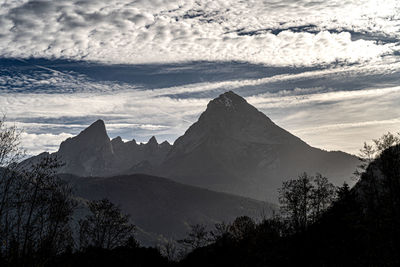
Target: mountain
column 92, row 153
column 163, row 209
column 232, row 148
column 235, row 148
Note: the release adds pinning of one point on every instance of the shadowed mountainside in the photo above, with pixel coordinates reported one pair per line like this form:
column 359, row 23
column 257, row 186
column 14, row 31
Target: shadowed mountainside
column 164, row 209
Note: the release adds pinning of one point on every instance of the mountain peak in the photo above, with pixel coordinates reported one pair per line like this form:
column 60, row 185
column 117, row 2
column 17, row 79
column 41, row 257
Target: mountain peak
column 228, row 100
column 152, row 141
column 117, row 141
column 230, row 117
column 97, row 127
column 93, row 136
column 98, row 123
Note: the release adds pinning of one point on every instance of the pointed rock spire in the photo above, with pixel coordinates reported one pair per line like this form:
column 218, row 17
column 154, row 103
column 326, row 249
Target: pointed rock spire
column 97, row 127
column 94, row 136
column 152, row 141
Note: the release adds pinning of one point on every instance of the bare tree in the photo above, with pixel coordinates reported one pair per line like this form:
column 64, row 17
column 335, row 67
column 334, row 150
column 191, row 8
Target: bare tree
column 304, row 199
column 41, row 210
column 322, row 195
column 241, row 227
column 198, row 236
column 10, row 153
column 170, row 250
column 105, row 227
column 369, row 152
column 385, row 141
column 10, row 149
column 35, row 208
column 295, row 199
column 220, row 230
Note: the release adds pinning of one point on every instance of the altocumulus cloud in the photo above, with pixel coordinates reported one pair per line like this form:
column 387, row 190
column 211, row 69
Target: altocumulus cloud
column 143, row 31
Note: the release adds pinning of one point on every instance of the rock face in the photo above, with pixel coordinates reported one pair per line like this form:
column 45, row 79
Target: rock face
column 235, row 148
column 232, row 148
column 88, row 153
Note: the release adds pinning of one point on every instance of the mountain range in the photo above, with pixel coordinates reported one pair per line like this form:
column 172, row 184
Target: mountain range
column 232, row 148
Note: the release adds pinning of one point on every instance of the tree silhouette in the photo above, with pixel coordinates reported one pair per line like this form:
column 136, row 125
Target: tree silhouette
column 304, row 199
column 36, row 206
column 343, row 192
column 241, row 227
column 323, row 194
column 369, row 152
column 295, row 199
column 105, row 227
column 10, row 149
column 197, row 237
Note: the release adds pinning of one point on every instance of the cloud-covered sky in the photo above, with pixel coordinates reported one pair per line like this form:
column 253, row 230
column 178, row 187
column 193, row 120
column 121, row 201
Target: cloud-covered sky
column 328, row 71
column 291, row 32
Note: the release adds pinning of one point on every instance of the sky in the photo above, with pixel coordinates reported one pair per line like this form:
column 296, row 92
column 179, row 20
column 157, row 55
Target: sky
column 327, row 71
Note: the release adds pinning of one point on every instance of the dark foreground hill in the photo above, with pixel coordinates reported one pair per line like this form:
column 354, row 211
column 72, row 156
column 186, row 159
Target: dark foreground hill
column 360, row 229
column 163, row 209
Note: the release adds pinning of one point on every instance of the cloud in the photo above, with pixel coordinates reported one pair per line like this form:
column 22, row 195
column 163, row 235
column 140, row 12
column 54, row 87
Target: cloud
column 37, row 143
column 148, row 31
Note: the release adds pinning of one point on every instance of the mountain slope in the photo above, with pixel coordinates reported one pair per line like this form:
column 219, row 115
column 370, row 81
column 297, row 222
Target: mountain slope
column 162, row 207
column 235, row 148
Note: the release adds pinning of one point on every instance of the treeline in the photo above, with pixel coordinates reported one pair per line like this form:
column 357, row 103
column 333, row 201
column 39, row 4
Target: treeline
column 245, row 242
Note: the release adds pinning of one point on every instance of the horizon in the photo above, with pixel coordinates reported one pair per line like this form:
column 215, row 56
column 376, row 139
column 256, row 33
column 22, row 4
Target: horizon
column 143, row 142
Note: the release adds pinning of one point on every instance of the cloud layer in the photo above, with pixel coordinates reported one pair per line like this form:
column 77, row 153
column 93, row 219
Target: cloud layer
column 283, row 33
